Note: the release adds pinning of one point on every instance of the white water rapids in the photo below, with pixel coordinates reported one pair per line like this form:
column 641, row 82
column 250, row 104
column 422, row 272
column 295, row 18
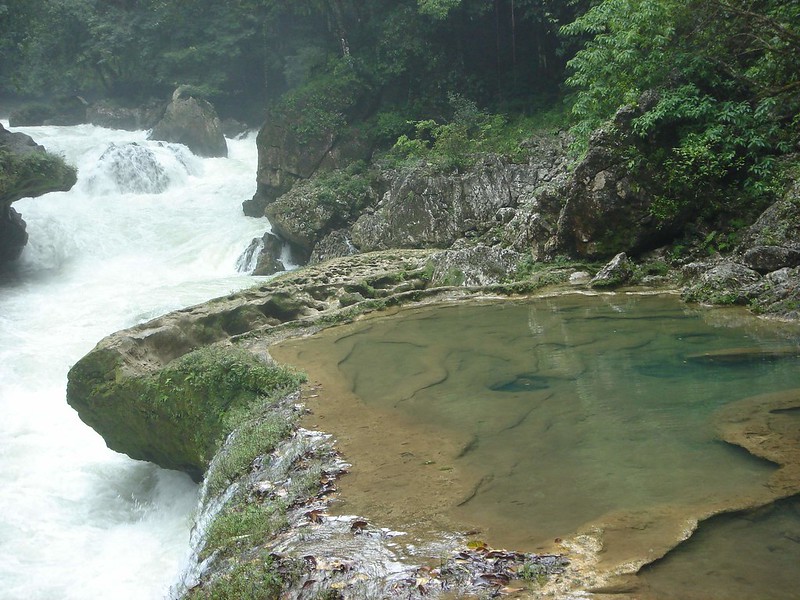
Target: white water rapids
column 78, row 521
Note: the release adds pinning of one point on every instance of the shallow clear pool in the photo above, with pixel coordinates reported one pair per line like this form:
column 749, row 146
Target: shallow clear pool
column 529, row 421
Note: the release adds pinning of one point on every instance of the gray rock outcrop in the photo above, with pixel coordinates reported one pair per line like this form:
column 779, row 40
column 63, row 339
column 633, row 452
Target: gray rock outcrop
column 192, row 122
column 606, row 210
column 269, row 258
column 474, row 266
column 617, row 271
column 300, row 138
column 773, row 241
column 763, row 272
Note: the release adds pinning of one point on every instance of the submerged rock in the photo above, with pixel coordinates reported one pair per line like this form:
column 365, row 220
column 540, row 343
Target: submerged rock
column 133, row 169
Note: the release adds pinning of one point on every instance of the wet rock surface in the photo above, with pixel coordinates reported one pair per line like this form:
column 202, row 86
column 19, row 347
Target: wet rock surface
column 317, row 553
column 269, row 258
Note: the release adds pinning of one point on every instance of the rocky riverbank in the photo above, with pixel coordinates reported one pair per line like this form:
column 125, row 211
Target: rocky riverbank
column 504, row 214
column 267, row 503
column 171, row 390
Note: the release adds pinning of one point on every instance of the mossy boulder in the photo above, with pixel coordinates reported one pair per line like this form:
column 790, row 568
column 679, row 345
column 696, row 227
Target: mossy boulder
column 313, row 129
column 26, row 170
column 315, row 207
column 165, row 390
column 175, row 417
column 616, row 272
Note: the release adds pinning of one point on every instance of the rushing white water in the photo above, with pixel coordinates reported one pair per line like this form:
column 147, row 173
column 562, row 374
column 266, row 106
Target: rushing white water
column 147, row 229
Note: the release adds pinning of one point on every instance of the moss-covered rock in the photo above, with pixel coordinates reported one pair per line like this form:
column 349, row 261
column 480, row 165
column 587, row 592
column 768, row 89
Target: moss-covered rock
column 161, row 391
column 315, row 207
column 311, row 130
column 616, row 272
column 26, row 170
column 176, row 416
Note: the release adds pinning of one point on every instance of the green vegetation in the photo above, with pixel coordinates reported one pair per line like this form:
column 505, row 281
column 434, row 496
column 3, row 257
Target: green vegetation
column 244, row 55
column 533, row 573
column 257, row 432
column 717, row 86
column 442, row 81
column 457, row 143
column 254, row 579
column 201, row 387
column 33, row 174
column 345, row 192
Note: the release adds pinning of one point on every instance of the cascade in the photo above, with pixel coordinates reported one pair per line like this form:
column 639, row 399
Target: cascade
column 147, row 229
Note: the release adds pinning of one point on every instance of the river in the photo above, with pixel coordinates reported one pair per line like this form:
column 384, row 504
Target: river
column 147, row 229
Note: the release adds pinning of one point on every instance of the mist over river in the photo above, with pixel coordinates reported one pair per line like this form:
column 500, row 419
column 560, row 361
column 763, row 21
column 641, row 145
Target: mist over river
column 147, row 229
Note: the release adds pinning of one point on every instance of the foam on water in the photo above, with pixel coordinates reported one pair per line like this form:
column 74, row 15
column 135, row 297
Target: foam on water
column 78, row 520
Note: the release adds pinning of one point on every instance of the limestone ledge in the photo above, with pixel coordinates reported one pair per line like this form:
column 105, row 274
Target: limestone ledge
column 120, row 390
column 106, row 389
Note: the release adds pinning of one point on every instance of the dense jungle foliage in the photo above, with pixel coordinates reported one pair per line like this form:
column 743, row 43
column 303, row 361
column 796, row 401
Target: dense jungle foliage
column 440, row 78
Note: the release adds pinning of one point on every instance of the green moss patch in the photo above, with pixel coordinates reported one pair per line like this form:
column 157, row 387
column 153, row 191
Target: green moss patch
column 177, row 417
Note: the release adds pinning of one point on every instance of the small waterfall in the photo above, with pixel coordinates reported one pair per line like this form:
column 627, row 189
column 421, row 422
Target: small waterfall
column 248, row 260
column 129, row 168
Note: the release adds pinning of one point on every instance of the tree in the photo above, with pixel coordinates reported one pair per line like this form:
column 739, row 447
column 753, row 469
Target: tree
column 725, row 73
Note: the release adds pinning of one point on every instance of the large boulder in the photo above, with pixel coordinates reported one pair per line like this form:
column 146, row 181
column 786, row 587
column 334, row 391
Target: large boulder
column 607, row 210
column 773, row 241
column 26, row 170
column 617, row 271
column 778, row 294
column 473, row 266
column 164, row 391
column 425, row 210
column 192, row 122
column 311, row 131
column 721, row 282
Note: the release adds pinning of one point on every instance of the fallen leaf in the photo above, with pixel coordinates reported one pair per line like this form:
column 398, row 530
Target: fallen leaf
column 315, row 516
column 358, row 526
column 477, row 545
